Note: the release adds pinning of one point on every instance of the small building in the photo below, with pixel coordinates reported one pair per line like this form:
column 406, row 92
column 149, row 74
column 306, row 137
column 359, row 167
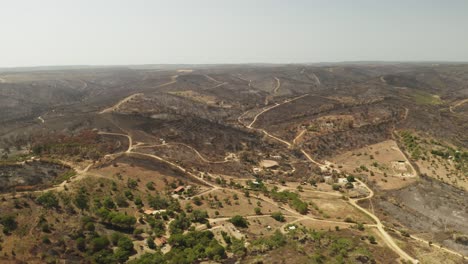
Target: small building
column 342, row 180
column 160, row 241
column 179, row 189
column 269, row 164
column 148, row 212
column 154, row 212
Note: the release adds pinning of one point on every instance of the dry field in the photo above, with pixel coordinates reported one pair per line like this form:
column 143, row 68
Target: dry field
column 386, row 165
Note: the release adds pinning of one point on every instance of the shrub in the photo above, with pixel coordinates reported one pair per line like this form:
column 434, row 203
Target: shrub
column 258, row 211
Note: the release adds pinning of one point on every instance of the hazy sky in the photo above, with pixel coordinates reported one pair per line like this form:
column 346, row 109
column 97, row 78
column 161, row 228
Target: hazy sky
column 71, row 32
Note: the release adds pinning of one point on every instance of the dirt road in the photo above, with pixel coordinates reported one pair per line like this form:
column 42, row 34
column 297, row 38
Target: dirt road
column 299, row 136
column 382, row 79
column 191, row 148
column 130, row 140
column 123, row 101
column 452, row 107
column 272, row 107
column 385, row 236
column 278, row 85
column 173, row 80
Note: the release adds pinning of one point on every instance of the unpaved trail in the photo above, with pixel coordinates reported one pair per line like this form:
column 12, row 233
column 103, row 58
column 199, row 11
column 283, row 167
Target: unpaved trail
column 452, row 107
column 173, row 80
column 278, row 85
column 117, row 106
column 80, row 174
column 212, row 79
column 299, row 136
column 130, row 140
column 274, row 106
column 262, row 112
column 385, row 236
column 191, row 148
column 382, row 79
column 174, row 165
column 317, row 80
column 216, row 86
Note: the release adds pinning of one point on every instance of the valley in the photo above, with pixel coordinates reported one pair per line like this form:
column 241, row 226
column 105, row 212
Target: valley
column 341, row 163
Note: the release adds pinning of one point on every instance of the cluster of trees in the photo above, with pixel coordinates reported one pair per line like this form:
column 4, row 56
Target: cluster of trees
column 411, row 143
column 99, row 248
column 268, row 243
column 292, row 198
column 191, row 247
column 239, row 221
column 278, row 216
column 9, row 223
column 116, row 219
column 48, row 200
column 195, row 246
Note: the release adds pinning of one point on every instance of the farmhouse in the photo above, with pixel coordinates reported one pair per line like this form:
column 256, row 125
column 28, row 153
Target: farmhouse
column 269, row 164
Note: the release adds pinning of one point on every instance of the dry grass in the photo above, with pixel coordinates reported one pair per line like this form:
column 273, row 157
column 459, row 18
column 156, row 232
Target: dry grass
column 389, row 166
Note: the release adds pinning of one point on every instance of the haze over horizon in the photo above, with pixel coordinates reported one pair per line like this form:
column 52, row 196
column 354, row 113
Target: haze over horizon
column 124, row 32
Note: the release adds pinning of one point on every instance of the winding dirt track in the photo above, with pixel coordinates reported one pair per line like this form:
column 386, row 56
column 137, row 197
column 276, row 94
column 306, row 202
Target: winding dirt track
column 116, row 106
column 354, row 202
column 452, row 107
column 299, row 136
column 385, row 236
column 278, row 85
column 191, row 148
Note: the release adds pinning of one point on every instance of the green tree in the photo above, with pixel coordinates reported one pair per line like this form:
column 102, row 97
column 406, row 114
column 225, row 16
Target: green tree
column 150, row 186
column 150, row 243
column 9, row 223
column 81, row 244
column 239, row 221
column 98, row 243
column 132, row 184
column 258, row 211
column 197, row 201
column 199, row 216
column 350, row 178
column 81, row 200
column 48, row 200
column 278, row 216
